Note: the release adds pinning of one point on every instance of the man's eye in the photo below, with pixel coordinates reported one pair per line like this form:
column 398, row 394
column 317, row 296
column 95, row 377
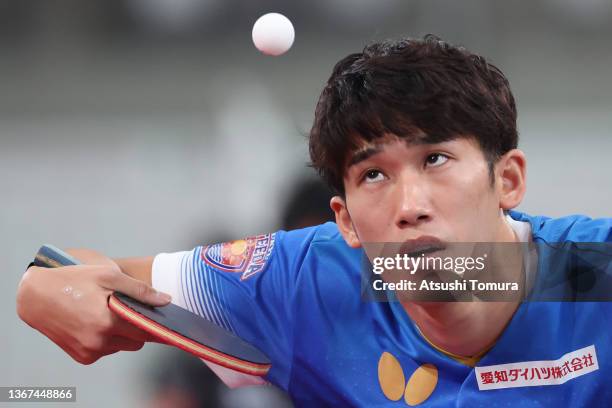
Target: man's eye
column 373, row 176
column 436, row 159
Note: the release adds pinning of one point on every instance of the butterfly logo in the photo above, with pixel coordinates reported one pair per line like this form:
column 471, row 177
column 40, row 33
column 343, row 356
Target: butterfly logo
column 394, row 386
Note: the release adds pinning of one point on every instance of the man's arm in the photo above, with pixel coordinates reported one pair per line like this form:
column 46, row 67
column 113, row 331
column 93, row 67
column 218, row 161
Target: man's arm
column 69, row 304
column 138, row 268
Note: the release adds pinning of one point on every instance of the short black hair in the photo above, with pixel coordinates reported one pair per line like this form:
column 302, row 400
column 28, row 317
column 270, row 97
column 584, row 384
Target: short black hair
column 416, row 89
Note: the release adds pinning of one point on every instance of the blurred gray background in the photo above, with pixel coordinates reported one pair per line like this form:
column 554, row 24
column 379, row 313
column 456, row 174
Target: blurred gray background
column 141, row 126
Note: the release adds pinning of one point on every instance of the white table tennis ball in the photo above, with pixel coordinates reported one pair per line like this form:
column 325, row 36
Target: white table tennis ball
column 273, row 34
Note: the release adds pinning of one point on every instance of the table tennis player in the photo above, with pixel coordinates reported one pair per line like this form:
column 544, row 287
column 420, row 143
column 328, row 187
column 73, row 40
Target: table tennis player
column 418, row 138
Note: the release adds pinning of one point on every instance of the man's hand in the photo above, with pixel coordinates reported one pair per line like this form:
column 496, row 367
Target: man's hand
column 69, row 305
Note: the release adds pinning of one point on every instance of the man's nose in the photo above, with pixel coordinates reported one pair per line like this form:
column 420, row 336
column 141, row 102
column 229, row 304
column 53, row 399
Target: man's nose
column 412, row 203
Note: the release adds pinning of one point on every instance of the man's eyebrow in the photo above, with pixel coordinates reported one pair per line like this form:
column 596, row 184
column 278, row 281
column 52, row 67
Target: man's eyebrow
column 364, row 154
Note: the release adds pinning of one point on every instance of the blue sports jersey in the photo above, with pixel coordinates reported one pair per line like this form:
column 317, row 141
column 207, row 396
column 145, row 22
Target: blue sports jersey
column 296, row 296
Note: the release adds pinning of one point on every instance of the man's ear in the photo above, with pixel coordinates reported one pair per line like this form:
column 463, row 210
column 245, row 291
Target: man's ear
column 344, row 222
column 511, row 171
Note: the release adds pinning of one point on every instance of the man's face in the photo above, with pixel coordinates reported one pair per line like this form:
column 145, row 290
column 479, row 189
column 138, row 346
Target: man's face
column 397, row 192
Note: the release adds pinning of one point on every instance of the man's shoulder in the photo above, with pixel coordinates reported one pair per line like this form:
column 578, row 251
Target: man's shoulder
column 323, row 234
column 576, row 228
column 321, row 247
column 320, row 241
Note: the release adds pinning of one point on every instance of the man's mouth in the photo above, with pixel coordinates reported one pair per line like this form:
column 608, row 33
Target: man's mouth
column 422, row 245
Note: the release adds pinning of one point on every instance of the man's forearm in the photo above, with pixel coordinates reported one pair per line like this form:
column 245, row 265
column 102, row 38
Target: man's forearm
column 137, row 268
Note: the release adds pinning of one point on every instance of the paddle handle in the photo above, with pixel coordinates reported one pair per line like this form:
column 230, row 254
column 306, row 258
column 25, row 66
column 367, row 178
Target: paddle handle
column 49, row 256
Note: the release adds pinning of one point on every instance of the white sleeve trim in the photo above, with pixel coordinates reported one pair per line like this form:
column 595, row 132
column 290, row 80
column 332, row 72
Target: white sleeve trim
column 166, row 275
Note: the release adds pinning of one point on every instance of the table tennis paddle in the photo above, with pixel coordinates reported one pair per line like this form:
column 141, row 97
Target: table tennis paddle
column 175, row 326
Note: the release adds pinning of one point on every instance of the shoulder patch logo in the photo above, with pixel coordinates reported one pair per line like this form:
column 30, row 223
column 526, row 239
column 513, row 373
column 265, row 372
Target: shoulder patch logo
column 246, row 256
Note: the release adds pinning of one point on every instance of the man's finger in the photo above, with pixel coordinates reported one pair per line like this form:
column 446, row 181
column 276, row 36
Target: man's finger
column 125, row 329
column 134, row 288
column 122, row 344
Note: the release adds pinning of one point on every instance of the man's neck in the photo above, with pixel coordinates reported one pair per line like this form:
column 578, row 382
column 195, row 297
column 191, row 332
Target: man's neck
column 464, row 329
